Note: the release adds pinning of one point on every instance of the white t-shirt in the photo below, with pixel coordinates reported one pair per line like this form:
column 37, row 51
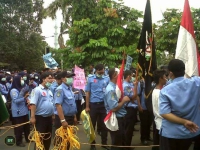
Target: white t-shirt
column 155, row 103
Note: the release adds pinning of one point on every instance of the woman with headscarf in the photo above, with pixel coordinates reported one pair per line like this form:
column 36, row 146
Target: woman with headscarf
column 3, row 88
column 19, row 110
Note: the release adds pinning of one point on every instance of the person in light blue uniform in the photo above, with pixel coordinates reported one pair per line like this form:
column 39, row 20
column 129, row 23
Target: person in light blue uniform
column 9, row 82
column 3, row 87
column 95, row 90
column 146, row 117
column 65, row 112
column 42, row 108
column 179, row 107
column 78, row 98
column 112, row 104
column 56, row 83
column 19, row 110
column 131, row 107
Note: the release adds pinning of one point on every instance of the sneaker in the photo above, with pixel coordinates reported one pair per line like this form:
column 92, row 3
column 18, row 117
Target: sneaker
column 79, row 122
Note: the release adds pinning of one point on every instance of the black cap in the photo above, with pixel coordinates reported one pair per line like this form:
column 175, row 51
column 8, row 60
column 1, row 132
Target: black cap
column 67, row 74
column 176, row 65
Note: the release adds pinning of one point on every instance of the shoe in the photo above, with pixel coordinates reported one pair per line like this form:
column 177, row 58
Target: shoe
column 105, row 148
column 135, row 129
column 144, row 142
column 79, row 122
column 99, row 133
column 92, row 147
column 21, row 145
column 150, row 139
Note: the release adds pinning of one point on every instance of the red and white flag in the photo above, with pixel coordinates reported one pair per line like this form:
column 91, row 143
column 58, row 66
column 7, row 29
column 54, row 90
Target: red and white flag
column 186, row 49
column 119, row 87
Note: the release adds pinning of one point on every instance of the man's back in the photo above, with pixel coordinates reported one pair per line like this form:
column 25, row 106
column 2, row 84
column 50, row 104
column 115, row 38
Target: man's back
column 181, row 98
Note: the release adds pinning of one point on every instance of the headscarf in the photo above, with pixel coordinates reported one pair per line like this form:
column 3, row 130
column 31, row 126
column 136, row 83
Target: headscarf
column 24, row 74
column 8, row 79
column 16, row 84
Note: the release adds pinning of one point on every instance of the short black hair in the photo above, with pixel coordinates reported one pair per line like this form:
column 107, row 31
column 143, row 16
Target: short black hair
column 44, row 75
column 58, row 75
column 127, row 73
column 111, row 72
column 158, row 73
column 177, row 67
column 99, row 67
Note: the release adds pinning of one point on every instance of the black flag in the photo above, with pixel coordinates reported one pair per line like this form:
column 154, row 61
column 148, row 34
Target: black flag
column 146, row 48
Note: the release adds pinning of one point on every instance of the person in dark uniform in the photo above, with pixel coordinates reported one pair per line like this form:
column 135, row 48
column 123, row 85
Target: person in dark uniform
column 19, row 110
column 95, row 90
column 42, row 108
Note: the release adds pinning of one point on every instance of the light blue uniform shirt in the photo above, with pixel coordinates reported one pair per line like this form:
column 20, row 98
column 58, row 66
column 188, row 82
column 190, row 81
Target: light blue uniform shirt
column 8, row 85
column 65, row 97
column 128, row 91
column 53, row 87
column 142, row 97
column 43, row 99
column 78, row 96
column 111, row 100
column 181, row 98
column 96, row 86
column 18, row 106
column 3, row 90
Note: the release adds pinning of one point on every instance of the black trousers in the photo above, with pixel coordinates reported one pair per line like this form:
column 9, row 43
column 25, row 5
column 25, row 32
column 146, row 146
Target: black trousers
column 79, row 109
column 130, row 120
column 118, row 137
column 98, row 111
column 19, row 130
column 44, row 125
column 156, row 137
column 197, row 143
column 145, row 124
column 175, row 144
column 69, row 120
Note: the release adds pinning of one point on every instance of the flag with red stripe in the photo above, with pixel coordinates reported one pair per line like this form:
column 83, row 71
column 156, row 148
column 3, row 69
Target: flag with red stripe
column 186, row 49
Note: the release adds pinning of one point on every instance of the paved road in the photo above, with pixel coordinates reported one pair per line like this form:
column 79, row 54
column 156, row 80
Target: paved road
column 82, row 138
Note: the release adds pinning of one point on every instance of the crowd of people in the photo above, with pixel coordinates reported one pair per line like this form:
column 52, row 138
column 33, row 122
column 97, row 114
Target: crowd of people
column 50, row 97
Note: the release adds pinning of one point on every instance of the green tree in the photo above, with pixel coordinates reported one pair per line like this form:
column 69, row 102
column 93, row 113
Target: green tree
column 21, row 44
column 100, row 32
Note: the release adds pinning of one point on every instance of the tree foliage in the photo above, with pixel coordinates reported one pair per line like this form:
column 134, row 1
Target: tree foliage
column 21, row 44
column 100, row 32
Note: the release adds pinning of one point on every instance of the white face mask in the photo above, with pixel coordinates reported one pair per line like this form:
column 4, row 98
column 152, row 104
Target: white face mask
column 22, row 82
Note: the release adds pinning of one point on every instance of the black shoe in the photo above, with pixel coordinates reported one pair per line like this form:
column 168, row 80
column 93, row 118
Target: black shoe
column 144, row 142
column 105, row 148
column 150, row 139
column 92, row 147
column 21, row 145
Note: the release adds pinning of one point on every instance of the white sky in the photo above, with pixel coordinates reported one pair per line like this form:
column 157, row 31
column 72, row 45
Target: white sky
column 157, row 7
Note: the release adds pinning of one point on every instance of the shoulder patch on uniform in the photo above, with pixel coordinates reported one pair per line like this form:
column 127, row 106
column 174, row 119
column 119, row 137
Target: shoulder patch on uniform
column 58, row 93
column 112, row 96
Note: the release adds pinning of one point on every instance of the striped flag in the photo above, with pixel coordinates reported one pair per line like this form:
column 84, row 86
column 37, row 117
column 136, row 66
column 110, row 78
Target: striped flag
column 186, row 49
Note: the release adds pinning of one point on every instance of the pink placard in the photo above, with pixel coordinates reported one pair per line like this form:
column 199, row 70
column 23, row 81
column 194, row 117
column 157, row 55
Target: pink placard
column 79, row 79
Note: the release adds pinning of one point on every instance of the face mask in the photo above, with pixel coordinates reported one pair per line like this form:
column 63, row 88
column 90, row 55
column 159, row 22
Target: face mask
column 48, row 84
column 106, row 67
column 36, row 77
column 69, row 81
column 3, row 79
column 132, row 79
column 22, row 82
column 99, row 75
column 24, row 78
